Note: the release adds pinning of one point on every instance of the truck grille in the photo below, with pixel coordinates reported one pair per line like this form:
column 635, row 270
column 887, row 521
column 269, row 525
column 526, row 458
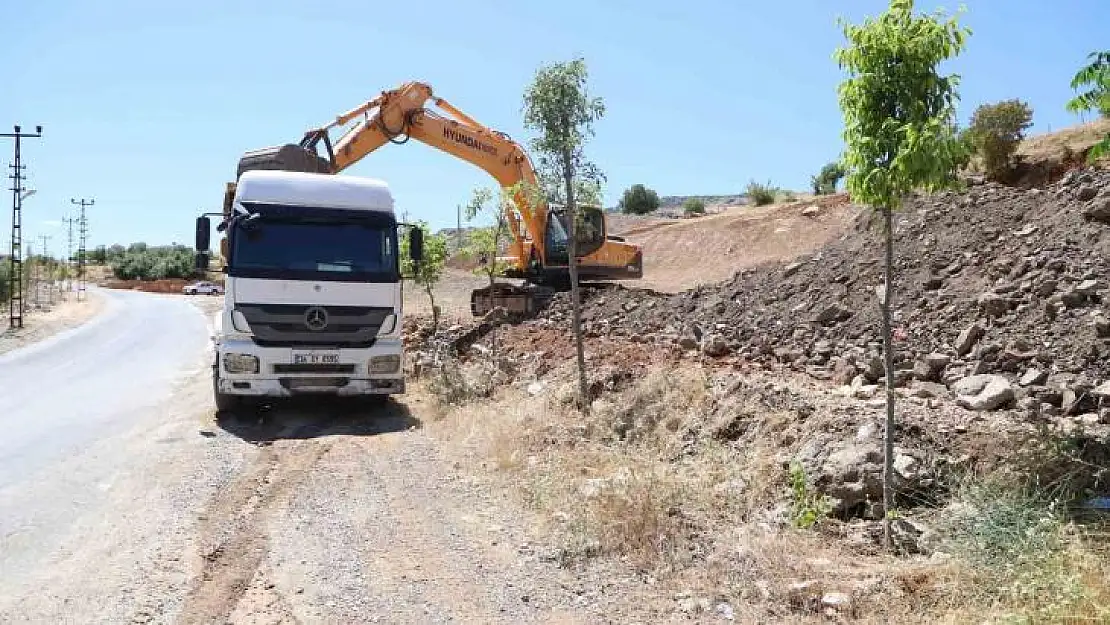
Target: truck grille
column 288, row 325
column 322, row 368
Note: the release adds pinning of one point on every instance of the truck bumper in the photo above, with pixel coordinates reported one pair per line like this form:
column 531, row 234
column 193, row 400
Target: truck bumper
column 351, row 376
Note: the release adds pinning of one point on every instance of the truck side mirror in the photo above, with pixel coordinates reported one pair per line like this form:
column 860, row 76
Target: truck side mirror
column 204, row 234
column 201, row 263
column 416, row 244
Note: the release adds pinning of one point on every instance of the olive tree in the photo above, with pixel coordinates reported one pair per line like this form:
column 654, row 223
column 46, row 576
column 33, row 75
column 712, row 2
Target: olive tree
column 429, row 270
column 558, row 106
column 486, row 242
column 899, row 131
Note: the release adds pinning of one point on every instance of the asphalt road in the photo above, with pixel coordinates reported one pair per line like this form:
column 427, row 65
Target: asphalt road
column 60, row 397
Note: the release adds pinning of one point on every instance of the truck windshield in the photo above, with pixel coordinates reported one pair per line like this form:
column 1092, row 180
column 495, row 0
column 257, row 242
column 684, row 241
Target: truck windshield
column 321, row 250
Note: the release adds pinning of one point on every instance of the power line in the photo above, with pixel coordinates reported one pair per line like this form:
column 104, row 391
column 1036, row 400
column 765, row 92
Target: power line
column 82, row 226
column 15, row 261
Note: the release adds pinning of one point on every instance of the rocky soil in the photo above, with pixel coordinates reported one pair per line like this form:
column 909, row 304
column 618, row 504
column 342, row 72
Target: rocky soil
column 1001, row 335
column 996, row 281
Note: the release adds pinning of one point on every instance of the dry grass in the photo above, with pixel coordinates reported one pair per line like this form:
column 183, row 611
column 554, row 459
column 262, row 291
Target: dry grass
column 633, row 485
column 1053, row 145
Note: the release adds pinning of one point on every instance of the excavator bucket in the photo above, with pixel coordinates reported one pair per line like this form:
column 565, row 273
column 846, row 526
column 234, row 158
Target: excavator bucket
column 288, row 157
column 515, row 300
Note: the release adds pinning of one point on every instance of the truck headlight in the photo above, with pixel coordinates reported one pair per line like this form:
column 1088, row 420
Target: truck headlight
column 388, row 363
column 240, row 363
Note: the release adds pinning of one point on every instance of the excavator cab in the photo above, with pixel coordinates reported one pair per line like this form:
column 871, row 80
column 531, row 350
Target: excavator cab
column 589, row 233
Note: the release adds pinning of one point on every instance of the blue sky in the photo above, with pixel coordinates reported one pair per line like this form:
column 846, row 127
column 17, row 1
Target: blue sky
column 147, row 108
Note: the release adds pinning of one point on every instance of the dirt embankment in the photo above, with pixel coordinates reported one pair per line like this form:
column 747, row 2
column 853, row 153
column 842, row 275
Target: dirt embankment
column 42, row 323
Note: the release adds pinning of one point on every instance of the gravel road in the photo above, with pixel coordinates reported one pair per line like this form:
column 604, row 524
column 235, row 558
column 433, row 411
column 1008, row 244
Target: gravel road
column 123, row 499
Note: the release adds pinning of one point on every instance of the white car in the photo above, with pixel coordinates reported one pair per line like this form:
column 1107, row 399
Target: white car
column 198, row 288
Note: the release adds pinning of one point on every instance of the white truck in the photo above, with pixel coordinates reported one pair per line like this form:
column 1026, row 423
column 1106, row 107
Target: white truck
column 313, row 288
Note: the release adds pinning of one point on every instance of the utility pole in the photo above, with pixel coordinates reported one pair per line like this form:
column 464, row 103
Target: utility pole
column 15, row 264
column 458, row 229
column 68, row 264
column 82, row 227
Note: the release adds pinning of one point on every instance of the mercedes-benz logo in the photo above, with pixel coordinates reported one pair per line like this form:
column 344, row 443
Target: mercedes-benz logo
column 316, row 318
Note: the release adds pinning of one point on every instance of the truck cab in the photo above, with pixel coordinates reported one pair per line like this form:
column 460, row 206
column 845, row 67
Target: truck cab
column 313, row 289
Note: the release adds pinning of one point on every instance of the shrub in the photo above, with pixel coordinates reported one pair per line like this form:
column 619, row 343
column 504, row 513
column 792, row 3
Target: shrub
column 826, row 180
column 693, row 206
column 638, row 200
column 142, row 262
column 761, row 194
column 996, row 130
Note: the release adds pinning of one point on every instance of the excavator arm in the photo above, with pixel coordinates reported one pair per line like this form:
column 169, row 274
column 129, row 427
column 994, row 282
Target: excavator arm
column 399, row 115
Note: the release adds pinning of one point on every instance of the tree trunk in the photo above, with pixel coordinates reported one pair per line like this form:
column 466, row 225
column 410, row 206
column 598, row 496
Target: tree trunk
column 572, row 263
column 435, row 309
column 888, row 352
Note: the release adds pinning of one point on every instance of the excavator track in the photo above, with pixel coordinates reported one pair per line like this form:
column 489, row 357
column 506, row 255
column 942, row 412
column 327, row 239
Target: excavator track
column 516, row 300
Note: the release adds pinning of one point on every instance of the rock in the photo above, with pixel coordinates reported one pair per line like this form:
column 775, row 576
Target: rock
column 832, row 313
column 811, row 211
column 1087, row 287
column 1102, row 391
column 1072, row 298
column 1046, row 288
column 791, row 269
column 852, row 476
column 928, row 390
column 933, row 283
column 910, row 536
column 715, row 345
column 968, row 338
column 836, row 601
column 993, row 304
column 1102, row 327
column 688, row 342
column 1086, row 193
column 983, row 392
column 875, row 369
column 938, row 362
column 1033, row 377
column 1098, row 209
column 906, row 466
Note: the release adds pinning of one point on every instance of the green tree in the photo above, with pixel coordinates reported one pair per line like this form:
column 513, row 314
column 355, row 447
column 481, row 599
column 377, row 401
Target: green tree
column 426, row 273
column 899, row 130
column 827, row 179
column 557, row 105
column 1095, row 76
column 638, row 200
column 995, row 132
column 486, row 242
column 693, row 206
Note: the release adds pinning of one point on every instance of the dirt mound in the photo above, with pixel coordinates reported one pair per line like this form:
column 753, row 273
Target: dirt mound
column 994, row 280
column 681, row 254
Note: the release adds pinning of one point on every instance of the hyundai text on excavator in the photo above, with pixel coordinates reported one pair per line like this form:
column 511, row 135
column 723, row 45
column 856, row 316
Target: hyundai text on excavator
column 538, row 246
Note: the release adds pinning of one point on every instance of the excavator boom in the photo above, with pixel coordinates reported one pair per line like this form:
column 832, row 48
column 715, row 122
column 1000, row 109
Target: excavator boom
column 537, row 249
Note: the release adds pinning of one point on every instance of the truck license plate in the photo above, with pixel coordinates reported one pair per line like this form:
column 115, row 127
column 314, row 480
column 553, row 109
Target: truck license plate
column 315, row 358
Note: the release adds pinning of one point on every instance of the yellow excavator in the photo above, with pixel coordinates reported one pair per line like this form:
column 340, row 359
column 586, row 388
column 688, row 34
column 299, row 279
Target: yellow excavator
column 538, row 246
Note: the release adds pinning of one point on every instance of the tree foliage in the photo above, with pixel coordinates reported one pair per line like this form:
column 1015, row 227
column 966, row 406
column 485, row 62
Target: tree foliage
column 638, row 200
column 827, row 179
column 486, row 242
column 428, row 271
column 900, row 134
column 995, row 132
column 1095, row 77
column 559, row 106
column 143, row 262
column 693, row 206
